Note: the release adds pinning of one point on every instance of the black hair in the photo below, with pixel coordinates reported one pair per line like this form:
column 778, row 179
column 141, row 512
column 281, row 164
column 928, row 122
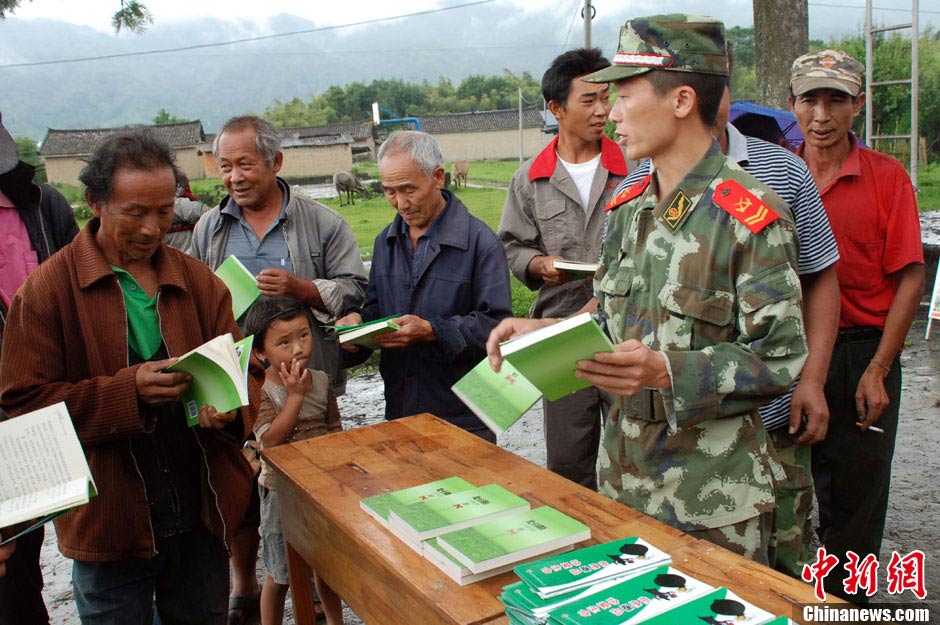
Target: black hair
column 556, row 81
column 137, row 148
column 267, row 310
column 709, row 89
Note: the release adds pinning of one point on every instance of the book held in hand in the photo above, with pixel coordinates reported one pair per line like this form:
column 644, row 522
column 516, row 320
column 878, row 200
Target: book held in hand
column 500, row 398
column 379, row 506
column 43, row 471
column 241, row 284
column 219, row 370
column 620, row 558
column 420, row 521
column 574, row 266
column 633, row 600
column 513, row 538
column 364, row 333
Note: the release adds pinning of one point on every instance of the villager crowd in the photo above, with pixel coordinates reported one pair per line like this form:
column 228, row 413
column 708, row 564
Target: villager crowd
column 758, row 299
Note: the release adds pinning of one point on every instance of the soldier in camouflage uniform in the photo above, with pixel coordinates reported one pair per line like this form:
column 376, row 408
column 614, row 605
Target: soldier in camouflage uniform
column 698, row 289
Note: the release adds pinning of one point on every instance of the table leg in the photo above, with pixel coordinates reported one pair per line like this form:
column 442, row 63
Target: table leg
column 301, row 587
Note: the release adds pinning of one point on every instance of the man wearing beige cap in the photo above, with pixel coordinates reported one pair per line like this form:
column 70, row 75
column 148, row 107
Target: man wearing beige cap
column 873, row 213
column 698, row 291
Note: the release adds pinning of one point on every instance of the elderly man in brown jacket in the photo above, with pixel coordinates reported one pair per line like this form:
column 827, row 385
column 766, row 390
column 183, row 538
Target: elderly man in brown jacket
column 96, row 326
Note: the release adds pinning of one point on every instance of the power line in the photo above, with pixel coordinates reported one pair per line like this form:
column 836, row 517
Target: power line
column 853, row 6
column 247, row 39
column 570, row 24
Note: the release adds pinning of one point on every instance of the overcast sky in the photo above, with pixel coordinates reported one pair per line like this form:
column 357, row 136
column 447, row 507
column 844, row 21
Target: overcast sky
column 828, row 18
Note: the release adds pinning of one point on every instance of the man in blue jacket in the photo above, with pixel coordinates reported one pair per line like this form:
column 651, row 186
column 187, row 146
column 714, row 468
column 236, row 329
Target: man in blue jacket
column 444, row 273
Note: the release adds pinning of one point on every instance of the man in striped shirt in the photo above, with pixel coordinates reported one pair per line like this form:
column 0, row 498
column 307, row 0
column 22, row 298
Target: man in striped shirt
column 799, row 417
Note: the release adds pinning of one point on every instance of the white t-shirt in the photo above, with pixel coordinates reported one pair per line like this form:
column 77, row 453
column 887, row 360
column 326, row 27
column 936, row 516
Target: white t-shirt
column 583, row 176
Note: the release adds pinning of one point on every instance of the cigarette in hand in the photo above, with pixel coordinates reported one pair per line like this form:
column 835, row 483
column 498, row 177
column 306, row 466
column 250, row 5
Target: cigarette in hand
column 871, row 428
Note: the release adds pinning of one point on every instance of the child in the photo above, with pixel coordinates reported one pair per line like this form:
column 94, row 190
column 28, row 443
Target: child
column 296, row 404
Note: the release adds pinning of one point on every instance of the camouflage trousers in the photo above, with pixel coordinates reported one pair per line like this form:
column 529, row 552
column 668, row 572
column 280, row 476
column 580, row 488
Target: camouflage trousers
column 792, row 534
column 749, row 538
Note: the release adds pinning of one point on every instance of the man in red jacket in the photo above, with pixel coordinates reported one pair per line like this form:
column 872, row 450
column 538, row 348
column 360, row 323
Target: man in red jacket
column 96, row 326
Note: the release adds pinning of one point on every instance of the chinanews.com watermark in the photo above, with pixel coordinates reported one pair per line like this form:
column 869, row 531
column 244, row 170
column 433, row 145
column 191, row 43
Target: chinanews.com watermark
column 887, row 613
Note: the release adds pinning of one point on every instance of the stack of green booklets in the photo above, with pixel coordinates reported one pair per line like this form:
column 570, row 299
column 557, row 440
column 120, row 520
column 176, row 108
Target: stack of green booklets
column 622, row 582
column 541, row 362
column 472, row 533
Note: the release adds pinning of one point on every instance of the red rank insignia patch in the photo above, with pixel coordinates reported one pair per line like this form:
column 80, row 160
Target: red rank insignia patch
column 629, row 193
column 744, row 206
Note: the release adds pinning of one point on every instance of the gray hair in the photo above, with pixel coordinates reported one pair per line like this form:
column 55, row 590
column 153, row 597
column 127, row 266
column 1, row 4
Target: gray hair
column 420, row 146
column 267, row 139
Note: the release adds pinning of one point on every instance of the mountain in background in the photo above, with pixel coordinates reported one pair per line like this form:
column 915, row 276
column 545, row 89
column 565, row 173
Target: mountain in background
column 213, row 84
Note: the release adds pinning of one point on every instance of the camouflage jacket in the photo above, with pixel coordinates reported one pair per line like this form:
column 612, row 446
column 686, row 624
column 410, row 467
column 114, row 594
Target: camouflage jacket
column 691, row 279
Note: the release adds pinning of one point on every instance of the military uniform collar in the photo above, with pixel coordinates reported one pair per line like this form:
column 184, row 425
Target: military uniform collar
column 675, row 208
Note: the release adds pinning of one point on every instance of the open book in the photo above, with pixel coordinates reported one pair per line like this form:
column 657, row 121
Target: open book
column 220, row 375
column 362, row 334
column 43, row 472
column 541, row 362
column 574, row 266
column 241, row 284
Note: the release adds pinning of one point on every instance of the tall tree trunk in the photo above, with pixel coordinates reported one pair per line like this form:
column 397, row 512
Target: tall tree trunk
column 781, row 33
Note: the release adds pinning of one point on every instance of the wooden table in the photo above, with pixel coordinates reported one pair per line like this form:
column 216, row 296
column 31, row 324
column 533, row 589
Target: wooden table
column 321, row 480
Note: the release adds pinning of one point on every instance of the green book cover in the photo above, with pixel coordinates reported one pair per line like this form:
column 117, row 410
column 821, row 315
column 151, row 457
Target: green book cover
column 219, row 370
column 583, row 567
column 782, row 620
column 498, row 398
column 379, row 506
column 425, row 519
column 241, row 284
column 513, row 538
column 548, row 357
column 523, row 598
column 364, row 334
column 634, row 600
column 454, row 569
column 718, row 606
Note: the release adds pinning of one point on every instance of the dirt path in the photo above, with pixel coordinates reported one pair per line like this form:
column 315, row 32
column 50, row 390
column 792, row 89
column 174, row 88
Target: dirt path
column 914, row 508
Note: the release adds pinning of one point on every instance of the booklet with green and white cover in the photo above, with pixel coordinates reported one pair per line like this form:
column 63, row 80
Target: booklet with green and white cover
column 498, row 398
column 378, row 506
column 219, row 370
column 364, row 333
column 618, row 558
column 718, row 606
column 782, row 620
column 528, row 602
column 43, row 471
column 454, row 569
column 548, row 357
column 241, row 284
column 426, row 519
column 633, row 600
column 513, row 538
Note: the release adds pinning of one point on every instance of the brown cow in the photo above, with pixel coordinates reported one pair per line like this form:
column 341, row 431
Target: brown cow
column 459, row 171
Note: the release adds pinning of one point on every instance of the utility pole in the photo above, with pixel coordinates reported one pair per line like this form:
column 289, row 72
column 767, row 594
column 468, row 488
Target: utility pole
column 588, row 14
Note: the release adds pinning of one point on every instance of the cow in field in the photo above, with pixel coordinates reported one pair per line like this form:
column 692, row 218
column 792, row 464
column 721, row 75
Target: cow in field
column 346, row 182
column 459, row 171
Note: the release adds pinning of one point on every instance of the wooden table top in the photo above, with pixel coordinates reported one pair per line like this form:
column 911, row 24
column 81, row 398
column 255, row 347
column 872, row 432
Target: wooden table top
column 321, row 481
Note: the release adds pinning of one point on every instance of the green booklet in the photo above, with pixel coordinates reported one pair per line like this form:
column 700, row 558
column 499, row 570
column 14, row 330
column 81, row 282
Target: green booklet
column 43, row 471
column 718, row 606
column 379, row 506
column 634, row 600
column 426, row 519
column 498, row 398
column 782, row 620
column 527, row 602
column 447, row 563
column 514, row 538
column 583, row 270
column 363, row 333
column 241, row 284
column 219, row 369
column 624, row 557
column 548, row 357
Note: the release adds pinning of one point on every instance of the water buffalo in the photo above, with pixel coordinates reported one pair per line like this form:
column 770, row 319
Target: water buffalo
column 346, row 182
column 459, row 171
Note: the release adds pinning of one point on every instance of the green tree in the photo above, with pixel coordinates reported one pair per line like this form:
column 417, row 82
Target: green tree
column 132, row 15
column 164, row 117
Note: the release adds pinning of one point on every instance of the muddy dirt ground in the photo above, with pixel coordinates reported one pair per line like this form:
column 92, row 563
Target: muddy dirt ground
column 914, row 509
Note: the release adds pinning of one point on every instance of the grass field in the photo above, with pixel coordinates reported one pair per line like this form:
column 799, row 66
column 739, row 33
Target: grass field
column 480, row 171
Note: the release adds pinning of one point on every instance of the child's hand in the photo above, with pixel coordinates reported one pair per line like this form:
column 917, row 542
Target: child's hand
column 296, row 379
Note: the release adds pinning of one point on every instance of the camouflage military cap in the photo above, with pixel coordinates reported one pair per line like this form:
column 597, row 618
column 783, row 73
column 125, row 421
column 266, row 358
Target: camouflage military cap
column 826, row 69
column 678, row 42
